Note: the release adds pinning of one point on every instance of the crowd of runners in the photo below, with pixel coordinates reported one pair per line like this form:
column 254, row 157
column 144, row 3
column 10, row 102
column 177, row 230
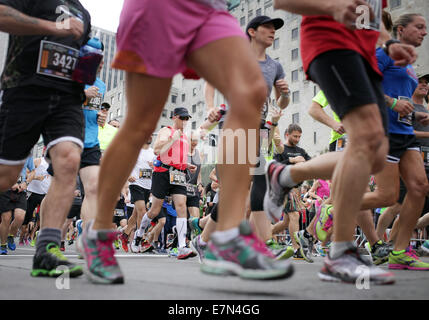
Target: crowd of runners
column 115, row 186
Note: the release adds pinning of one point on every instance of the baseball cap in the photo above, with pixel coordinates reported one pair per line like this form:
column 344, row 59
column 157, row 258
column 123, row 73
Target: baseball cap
column 182, row 112
column 259, row 20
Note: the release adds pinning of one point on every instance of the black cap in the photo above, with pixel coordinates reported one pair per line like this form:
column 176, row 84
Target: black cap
column 181, row 112
column 259, row 20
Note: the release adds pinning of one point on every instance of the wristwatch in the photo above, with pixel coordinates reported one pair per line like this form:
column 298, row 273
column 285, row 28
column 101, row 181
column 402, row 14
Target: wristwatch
column 388, row 43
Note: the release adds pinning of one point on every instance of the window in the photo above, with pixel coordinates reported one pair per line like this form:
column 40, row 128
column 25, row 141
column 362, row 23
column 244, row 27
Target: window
column 164, row 113
column 194, row 92
column 258, row 12
column 120, row 97
column 294, row 75
column 173, row 99
column 242, row 21
column 295, row 53
column 118, row 112
column 295, row 34
column 183, row 97
column 250, row 14
column 276, row 43
column 194, row 108
column 295, row 118
column 395, row 4
column 315, row 137
column 295, row 97
column 194, row 125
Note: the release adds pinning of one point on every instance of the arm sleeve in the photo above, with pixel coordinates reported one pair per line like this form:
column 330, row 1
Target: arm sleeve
column 383, row 60
column 280, row 72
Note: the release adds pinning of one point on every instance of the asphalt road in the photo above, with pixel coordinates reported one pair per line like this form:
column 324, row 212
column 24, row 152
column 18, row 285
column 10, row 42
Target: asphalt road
column 159, row 277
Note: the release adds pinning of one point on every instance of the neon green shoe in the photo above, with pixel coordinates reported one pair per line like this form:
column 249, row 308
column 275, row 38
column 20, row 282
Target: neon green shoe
column 406, row 259
column 280, row 252
column 33, row 242
column 324, row 222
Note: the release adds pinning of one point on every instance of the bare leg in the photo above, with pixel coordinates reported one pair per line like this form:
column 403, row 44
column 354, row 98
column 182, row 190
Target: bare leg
column 387, row 218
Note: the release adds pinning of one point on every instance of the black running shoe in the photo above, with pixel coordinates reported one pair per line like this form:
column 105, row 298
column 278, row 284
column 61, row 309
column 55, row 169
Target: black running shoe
column 52, row 263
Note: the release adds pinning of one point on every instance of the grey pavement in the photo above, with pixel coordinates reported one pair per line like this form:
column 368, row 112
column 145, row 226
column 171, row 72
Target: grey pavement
column 158, row 277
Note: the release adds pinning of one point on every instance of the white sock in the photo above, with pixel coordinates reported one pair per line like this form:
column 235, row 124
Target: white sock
column 285, row 179
column 143, row 225
column 225, row 236
column 338, row 248
column 181, row 227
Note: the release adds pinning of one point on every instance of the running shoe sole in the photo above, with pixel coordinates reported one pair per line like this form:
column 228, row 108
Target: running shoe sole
column 406, row 267
column 226, row 268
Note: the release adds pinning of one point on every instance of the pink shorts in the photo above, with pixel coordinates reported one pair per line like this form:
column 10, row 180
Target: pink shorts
column 156, row 36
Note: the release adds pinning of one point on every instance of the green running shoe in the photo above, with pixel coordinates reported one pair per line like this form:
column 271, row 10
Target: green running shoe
column 425, row 246
column 407, row 260
column 280, row 252
column 324, row 222
column 52, row 263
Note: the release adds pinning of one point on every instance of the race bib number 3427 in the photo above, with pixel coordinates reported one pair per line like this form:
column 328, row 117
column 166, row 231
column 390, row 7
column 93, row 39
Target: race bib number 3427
column 57, row 60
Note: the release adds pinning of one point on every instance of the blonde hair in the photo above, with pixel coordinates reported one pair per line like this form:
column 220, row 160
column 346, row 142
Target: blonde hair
column 404, row 20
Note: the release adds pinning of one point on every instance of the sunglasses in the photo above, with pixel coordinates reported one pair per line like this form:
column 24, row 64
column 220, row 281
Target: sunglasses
column 184, row 118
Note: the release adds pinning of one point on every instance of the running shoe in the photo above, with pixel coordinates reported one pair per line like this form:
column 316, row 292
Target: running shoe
column 320, row 250
column 380, row 252
column 185, row 253
column 135, row 245
column 407, row 260
column 146, row 247
column 3, row 249
column 174, row 252
column 275, row 195
column 11, row 243
column 324, row 222
column 351, row 267
column 33, row 242
column 280, row 252
column 102, row 266
column 195, row 228
column 50, row 262
column 305, row 245
column 21, row 243
column 117, row 244
column 124, row 241
column 244, row 256
column 198, row 248
column 63, row 246
column 297, row 255
column 425, row 246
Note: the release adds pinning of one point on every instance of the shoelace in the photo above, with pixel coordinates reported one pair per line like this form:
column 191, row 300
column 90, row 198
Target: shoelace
column 257, row 244
column 57, row 252
column 410, row 252
column 106, row 253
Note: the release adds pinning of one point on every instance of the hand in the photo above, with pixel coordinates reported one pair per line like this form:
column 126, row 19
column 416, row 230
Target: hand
column 91, row 92
column 132, row 179
column 22, row 186
column 403, row 54
column 276, row 114
column 192, row 168
column 297, row 159
column 176, row 135
column 282, row 86
column 69, row 27
column 277, row 139
column 422, row 117
column 15, row 187
column 339, row 128
column 403, row 107
column 214, row 115
column 344, row 12
column 101, row 118
column 77, row 193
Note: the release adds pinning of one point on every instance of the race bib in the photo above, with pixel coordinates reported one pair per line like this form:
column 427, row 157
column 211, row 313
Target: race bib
column 191, row 190
column 341, row 143
column 408, row 119
column 57, row 60
column 425, row 155
column 119, row 212
column 145, row 174
column 94, row 103
column 177, row 178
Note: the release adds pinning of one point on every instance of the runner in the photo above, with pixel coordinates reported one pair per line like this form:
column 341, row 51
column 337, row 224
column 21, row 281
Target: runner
column 29, row 79
column 205, row 37
column 342, row 61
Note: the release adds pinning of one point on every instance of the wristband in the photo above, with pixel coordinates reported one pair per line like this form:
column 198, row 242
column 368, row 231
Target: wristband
column 395, row 101
column 274, row 124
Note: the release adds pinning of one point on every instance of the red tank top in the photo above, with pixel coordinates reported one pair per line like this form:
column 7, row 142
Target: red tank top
column 176, row 156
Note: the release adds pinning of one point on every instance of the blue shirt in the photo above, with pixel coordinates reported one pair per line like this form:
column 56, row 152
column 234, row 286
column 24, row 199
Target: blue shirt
column 90, row 111
column 29, row 164
column 397, row 81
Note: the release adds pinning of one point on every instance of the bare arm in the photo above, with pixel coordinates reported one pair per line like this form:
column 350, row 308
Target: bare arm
column 209, row 93
column 317, row 113
column 165, row 140
column 17, row 23
column 421, row 134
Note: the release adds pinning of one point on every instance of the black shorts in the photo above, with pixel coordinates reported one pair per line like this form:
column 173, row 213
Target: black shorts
column 259, row 187
column 399, row 144
column 139, row 194
column 348, row 81
column 11, row 200
column 28, row 112
column 74, row 212
column 193, row 202
column 90, row 157
column 129, row 212
column 33, row 201
column 161, row 186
